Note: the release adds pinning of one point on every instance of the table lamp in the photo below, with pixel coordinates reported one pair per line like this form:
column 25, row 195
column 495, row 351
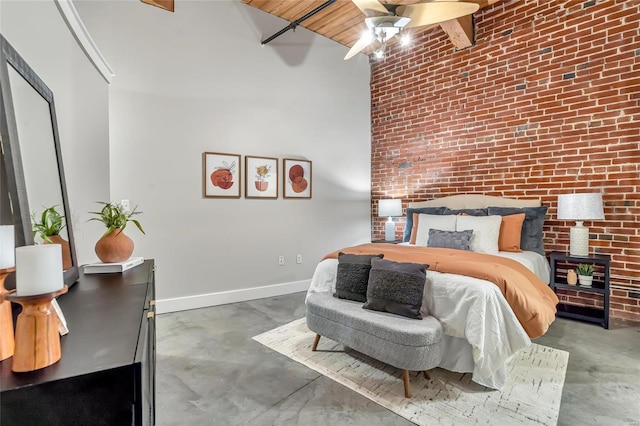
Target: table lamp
column 390, row 208
column 580, row 207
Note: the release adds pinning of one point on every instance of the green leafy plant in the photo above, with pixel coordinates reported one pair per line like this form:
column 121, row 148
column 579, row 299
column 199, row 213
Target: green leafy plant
column 114, row 216
column 51, row 223
column 584, row 269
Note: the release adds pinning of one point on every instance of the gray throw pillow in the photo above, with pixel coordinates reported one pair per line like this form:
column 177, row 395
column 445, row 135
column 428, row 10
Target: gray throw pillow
column 408, row 225
column 531, row 237
column 396, row 287
column 470, row 212
column 460, row 240
column 353, row 276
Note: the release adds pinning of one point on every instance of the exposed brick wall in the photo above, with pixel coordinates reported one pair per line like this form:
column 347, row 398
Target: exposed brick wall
column 547, row 102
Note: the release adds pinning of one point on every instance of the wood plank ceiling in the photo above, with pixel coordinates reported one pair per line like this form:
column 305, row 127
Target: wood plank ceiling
column 343, row 22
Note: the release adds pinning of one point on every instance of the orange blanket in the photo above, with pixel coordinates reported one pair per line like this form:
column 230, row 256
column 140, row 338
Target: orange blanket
column 532, row 301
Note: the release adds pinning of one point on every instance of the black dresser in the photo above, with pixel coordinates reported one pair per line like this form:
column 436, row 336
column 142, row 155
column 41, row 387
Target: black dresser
column 107, row 372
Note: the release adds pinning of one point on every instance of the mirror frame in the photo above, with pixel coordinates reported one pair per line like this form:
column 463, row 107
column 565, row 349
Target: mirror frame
column 10, row 143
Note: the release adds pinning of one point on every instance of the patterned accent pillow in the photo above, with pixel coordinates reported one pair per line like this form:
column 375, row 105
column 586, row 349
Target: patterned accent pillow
column 460, row 240
column 396, row 287
column 353, row 276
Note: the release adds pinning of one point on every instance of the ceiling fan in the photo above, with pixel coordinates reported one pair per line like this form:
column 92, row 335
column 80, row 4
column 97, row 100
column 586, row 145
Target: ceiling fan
column 385, row 21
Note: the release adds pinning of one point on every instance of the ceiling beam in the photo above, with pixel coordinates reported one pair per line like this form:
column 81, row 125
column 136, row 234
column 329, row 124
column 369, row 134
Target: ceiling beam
column 460, row 31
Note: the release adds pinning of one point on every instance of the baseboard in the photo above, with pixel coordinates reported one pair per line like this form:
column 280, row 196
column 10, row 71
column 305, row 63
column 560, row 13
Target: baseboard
column 222, row 298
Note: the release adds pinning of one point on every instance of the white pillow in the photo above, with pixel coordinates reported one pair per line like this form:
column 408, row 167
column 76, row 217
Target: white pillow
column 486, row 230
column 433, row 221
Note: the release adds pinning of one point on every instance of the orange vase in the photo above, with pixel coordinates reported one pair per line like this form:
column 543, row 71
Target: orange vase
column 114, row 247
column 66, row 251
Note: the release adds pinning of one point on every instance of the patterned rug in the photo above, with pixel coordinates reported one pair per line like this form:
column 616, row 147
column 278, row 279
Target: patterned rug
column 531, row 395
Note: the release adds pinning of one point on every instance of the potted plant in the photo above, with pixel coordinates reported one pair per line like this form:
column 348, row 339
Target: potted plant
column 585, row 274
column 114, row 246
column 50, row 224
column 48, row 229
column 262, row 172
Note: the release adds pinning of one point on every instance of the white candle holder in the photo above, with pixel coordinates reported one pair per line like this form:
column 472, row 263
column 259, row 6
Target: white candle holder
column 38, row 269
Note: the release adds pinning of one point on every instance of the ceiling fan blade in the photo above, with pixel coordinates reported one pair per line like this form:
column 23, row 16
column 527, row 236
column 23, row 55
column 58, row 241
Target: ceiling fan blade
column 371, row 7
column 435, row 12
column 362, row 43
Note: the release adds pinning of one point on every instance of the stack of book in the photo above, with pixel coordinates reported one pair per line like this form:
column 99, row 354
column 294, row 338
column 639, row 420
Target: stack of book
column 108, row 268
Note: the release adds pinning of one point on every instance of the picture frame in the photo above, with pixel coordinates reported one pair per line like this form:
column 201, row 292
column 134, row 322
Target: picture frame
column 261, row 177
column 221, row 175
column 297, row 178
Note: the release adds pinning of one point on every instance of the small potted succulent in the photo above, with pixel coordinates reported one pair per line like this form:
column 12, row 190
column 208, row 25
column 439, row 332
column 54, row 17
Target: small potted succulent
column 115, row 246
column 585, row 274
column 48, row 228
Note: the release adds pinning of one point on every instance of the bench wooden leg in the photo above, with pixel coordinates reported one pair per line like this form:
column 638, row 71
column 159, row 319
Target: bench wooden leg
column 426, row 375
column 407, row 386
column 315, row 343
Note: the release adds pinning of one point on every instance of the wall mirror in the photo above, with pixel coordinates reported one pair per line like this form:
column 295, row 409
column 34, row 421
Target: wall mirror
column 32, row 159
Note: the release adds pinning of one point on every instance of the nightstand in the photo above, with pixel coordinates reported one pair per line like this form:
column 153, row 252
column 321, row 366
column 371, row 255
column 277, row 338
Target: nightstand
column 560, row 264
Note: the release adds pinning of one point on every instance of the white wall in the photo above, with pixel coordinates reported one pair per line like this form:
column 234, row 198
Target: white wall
column 39, row 34
column 198, row 80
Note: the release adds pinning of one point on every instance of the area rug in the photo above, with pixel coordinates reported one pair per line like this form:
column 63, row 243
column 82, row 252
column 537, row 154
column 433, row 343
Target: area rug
column 531, row 395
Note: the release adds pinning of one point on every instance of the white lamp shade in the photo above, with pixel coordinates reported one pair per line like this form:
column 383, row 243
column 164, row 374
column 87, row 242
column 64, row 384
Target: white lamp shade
column 388, row 208
column 38, row 269
column 580, row 207
column 7, row 247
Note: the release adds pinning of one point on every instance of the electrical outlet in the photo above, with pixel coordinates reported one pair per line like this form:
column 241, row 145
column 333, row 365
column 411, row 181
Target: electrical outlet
column 299, row 258
column 281, row 260
column 126, row 205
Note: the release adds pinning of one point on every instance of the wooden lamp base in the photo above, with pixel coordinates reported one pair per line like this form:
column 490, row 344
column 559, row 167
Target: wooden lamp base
column 37, row 341
column 7, row 342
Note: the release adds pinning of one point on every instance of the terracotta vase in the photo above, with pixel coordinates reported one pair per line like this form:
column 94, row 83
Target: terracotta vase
column 114, row 247
column 66, row 250
column 572, row 277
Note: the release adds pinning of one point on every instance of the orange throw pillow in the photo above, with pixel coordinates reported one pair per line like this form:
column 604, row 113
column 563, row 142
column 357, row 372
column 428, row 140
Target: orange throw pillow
column 414, row 230
column 510, row 232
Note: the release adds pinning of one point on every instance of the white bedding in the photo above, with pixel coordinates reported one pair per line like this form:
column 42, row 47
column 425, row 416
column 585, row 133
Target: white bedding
column 481, row 332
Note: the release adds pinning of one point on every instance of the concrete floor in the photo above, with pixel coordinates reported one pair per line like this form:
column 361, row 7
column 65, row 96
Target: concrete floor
column 210, row 372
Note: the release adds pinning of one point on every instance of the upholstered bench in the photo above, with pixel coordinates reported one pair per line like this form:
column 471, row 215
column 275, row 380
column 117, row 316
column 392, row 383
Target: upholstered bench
column 404, row 343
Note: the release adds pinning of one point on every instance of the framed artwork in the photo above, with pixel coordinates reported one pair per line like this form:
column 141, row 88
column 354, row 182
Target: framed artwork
column 297, row 178
column 261, row 177
column 221, row 175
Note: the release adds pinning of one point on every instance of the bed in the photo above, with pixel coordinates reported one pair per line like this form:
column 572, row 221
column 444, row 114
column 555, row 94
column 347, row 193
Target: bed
column 481, row 329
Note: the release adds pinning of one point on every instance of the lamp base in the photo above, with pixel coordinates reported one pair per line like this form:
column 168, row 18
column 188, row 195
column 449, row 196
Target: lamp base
column 389, row 230
column 37, row 337
column 7, row 342
column 579, row 240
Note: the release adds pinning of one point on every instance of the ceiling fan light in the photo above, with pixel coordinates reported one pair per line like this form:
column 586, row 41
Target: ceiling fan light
column 379, row 54
column 405, row 39
column 367, row 37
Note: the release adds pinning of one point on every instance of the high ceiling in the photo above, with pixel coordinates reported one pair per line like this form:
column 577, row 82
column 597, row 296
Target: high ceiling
column 343, row 22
